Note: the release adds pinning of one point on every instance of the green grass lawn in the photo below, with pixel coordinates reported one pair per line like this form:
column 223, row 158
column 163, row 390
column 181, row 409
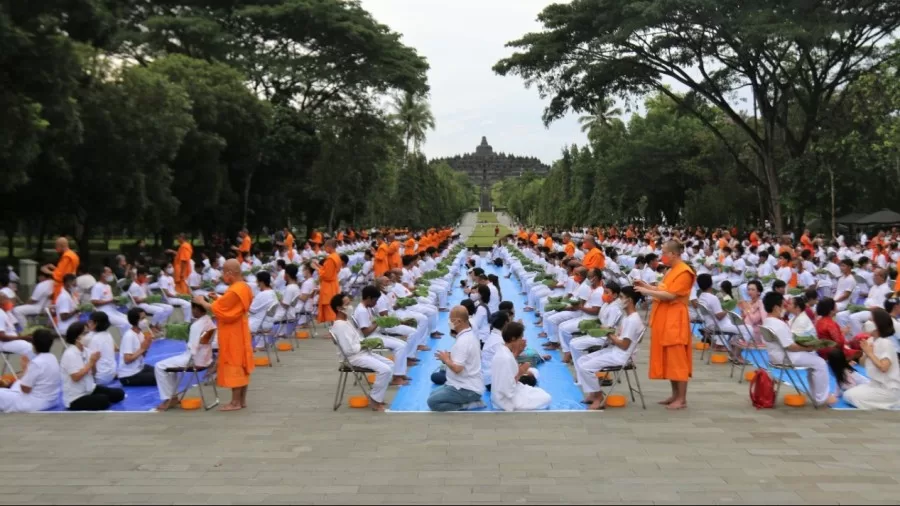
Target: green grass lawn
column 483, row 235
column 486, row 217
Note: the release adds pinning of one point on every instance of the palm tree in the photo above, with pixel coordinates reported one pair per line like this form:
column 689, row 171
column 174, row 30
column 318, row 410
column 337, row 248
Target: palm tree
column 412, row 112
column 601, row 112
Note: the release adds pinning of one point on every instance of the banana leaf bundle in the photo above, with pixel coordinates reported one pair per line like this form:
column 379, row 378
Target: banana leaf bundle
column 767, row 279
column 403, row 302
column 591, row 323
column 534, row 268
column 599, row 332
column 856, row 308
column 423, row 282
column 122, row 300
column 437, row 273
column 371, row 343
column 245, row 273
column 208, row 285
column 410, row 322
column 555, row 306
column 729, row 305
column 256, row 269
column 823, row 271
column 86, row 308
column 795, row 291
column 387, row 322
column 153, row 299
column 30, row 330
column 555, row 300
column 813, row 342
column 421, row 291
column 184, row 296
column 178, row 331
column 549, row 283
column 356, row 269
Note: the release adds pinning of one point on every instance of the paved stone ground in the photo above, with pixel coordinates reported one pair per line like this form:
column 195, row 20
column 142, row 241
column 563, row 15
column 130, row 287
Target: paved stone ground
column 290, row 447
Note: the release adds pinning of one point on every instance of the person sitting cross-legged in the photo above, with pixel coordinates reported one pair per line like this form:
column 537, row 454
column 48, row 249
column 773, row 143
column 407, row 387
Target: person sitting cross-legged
column 135, row 344
column 38, row 388
column 507, row 391
column 80, row 392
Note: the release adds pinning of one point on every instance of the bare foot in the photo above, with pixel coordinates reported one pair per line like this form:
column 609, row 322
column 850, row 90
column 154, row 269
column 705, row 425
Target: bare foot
column 230, row 407
column 831, row 401
column 542, row 334
column 422, row 347
column 668, row 401
column 597, row 404
column 378, row 406
column 163, row 406
column 399, row 382
column 676, row 405
column 567, row 358
column 546, row 357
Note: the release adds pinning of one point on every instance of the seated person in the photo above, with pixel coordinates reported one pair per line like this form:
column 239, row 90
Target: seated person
column 139, row 292
column 717, row 323
column 167, row 287
column 80, row 393
column 65, row 306
column 620, row 348
column 508, row 392
column 199, row 348
column 264, row 300
column 10, row 341
column 132, row 370
column 39, row 299
column 493, row 343
column 38, row 388
column 364, row 317
column 465, row 384
column 880, row 360
column 103, row 300
column 800, row 356
column 100, row 340
column 827, row 328
column 349, row 339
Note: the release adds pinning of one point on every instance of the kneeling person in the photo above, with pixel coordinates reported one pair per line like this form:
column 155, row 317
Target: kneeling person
column 507, row 391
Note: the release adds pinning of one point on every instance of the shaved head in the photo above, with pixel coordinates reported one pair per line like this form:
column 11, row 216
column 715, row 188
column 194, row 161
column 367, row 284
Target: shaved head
column 231, row 271
column 329, row 244
column 461, row 315
column 673, row 246
column 381, row 282
column 589, row 239
column 62, row 244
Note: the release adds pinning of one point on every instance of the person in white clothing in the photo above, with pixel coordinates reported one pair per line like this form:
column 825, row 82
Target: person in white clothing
column 480, row 312
column 10, row 341
column 39, row 300
column 38, row 388
column 103, row 300
column 99, row 340
column 263, row 301
column 465, row 384
column 349, row 339
column 610, row 313
column 718, row 321
column 845, row 286
column 199, row 349
column 880, row 360
column 135, row 344
column 875, row 300
column 417, row 335
column 309, row 295
column 80, row 392
column 139, row 292
column 166, row 285
column 620, row 347
column 801, row 356
column 65, row 306
column 590, row 309
column 290, row 297
column 364, row 318
column 507, row 392
column 493, row 343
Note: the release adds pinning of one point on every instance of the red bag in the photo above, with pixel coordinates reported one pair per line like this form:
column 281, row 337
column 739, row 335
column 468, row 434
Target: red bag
column 762, row 390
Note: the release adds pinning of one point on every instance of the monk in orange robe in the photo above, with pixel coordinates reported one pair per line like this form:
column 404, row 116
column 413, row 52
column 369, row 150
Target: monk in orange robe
column 754, row 238
column 288, row 241
column 381, row 264
column 594, row 258
column 67, row 264
column 548, row 241
column 670, row 325
column 806, row 243
column 328, row 282
column 316, row 238
column 243, row 251
column 409, row 247
column 231, row 312
column 394, row 259
column 183, row 265
column 568, row 245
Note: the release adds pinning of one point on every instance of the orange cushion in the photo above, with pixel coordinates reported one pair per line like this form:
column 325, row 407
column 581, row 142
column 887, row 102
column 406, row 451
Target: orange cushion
column 302, row 334
column 701, row 346
column 191, row 403
column 616, row 401
column 358, row 401
column 719, row 358
column 749, row 375
column 603, row 375
column 261, row 361
column 795, row 400
column 284, row 346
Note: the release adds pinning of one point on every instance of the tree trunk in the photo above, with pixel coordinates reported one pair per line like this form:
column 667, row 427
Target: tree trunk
column 10, row 237
column 246, row 198
column 82, row 238
column 42, row 231
column 774, row 192
column 331, row 218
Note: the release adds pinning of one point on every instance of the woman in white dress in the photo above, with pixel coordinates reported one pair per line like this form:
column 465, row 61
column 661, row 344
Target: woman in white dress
column 880, row 360
column 507, row 392
column 38, row 388
column 309, row 295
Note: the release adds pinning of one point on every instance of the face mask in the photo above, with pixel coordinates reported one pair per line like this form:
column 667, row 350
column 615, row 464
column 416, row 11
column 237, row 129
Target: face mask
column 8, row 306
column 607, row 298
column 348, row 310
column 144, row 324
column 169, row 270
column 474, row 297
column 110, row 278
column 667, row 261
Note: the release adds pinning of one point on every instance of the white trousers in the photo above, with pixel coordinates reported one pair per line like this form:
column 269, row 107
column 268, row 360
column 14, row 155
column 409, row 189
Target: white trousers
column 537, row 293
column 116, row 319
column 19, row 347
column 24, row 311
column 166, row 382
column 430, row 312
column 587, row 366
column 569, row 327
column 12, row 400
column 579, row 346
column 159, row 312
column 384, row 371
column 399, row 349
column 184, row 305
column 554, row 320
column 870, row 396
column 819, row 384
column 422, row 329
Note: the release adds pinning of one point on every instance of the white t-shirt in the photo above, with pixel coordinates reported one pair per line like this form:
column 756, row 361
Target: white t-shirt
column 42, row 377
column 466, row 351
column 102, row 291
column 307, row 288
column 131, row 342
column 72, row 361
column 348, row 337
column 884, row 348
column 480, row 322
column 845, row 284
column 362, row 315
column 201, row 353
column 65, row 304
column 878, row 294
column 7, row 323
column 595, row 298
column 166, row 284
column 494, row 341
column 137, row 291
column 291, row 297
column 106, row 366
column 785, row 337
column 262, row 301
column 42, row 292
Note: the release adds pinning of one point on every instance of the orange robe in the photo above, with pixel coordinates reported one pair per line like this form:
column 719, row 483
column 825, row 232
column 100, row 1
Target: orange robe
column 382, row 260
column 806, row 243
column 670, row 328
column 570, row 249
column 548, row 243
column 328, row 286
column 594, row 259
column 67, row 264
column 244, row 248
column 409, row 247
column 754, row 239
column 316, row 238
column 534, row 238
column 289, row 242
column 185, row 254
column 394, row 260
column 235, row 349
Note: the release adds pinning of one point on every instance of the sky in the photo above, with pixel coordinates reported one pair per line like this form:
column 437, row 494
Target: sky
column 462, row 40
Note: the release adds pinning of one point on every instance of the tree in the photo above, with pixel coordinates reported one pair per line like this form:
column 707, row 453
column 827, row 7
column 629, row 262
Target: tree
column 413, row 115
column 600, row 114
column 784, row 52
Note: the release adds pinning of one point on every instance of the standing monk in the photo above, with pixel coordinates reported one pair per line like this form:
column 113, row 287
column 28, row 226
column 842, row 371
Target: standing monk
column 670, row 325
column 235, row 350
column 394, row 260
column 183, row 265
column 243, row 251
column 67, row 264
column 328, row 282
column 382, row 262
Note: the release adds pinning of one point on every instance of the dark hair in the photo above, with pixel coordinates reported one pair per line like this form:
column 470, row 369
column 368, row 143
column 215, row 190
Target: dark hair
column 281, row 263
column 772, row 300
column 291, row 271
column 632, row 294
column 134, row 315
column 469, row 305
column 42, row 340
column 101, row 321
column 499, row 320
column 264, row 278
column 513, row 331
column 68, row 278
column 883, row 322
column 725, row 287
column 757, row 283
column 890, row 303
column 614, row 287
column 74, row 331
column 839, row 364
column 650, row 257
column 496, row 282
column 337, row 301
column 811, row 294
column 507, row 306
column 485, row 293
column 800, row 302
column 344, row 259
column 704, row 282
column 847, row 262
column 825, row 306
column 778, row 284
column 370, row 292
